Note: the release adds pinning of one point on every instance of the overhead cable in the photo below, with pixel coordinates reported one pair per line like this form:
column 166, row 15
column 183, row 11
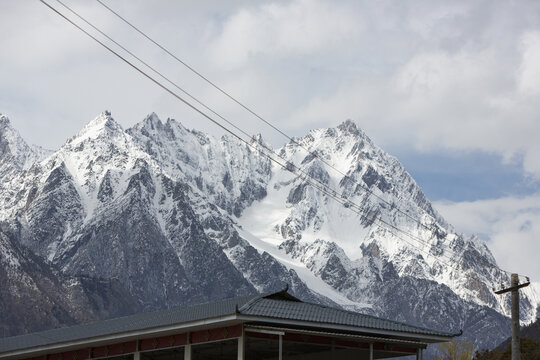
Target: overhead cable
column 367, row 215
column 295, row 170
column 268, row 123
column 259, row 117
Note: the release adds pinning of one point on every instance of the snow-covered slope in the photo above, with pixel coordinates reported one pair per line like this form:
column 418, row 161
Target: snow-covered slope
column 177, row 216
column 401, row 227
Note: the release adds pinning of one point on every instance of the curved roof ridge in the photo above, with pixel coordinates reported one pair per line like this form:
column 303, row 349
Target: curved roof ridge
column 268, row 295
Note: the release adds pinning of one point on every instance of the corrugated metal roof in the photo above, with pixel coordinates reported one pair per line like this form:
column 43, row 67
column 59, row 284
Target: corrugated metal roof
column 278, row 305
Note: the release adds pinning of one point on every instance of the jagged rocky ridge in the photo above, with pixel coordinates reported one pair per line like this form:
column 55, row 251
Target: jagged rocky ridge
column 175, row 217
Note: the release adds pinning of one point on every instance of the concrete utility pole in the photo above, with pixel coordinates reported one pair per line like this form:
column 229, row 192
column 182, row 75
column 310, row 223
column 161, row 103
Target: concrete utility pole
column 514, row 288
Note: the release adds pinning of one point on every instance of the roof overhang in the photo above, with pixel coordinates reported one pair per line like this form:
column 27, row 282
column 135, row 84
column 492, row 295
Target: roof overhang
column 330, row 329
column 333, row 334
column 226, row 320
column 360, row 331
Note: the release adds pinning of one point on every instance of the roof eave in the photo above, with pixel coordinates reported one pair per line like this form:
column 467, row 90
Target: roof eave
column 202, row 323
column 119, row 337
column 427, row 338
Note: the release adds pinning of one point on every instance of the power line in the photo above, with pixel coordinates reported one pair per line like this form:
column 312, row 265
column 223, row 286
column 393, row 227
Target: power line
column 329, row 191
column 268, row 123
column 151, row 67
column 213, row 84
column 143, row 73
column 324, row 188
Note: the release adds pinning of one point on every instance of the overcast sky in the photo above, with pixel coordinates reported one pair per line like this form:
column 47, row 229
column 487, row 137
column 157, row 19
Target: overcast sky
column 450, row 88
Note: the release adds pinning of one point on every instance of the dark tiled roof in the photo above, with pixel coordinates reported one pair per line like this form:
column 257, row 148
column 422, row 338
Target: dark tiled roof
column 279, row 305
column 293, row 310
column 140, row 321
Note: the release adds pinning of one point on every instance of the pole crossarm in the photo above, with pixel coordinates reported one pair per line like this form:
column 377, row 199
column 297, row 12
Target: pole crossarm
column 512, row 288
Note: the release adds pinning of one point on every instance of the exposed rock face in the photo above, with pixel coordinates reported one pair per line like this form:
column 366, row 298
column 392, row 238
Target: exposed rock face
column 174, row 216
column 34, row 296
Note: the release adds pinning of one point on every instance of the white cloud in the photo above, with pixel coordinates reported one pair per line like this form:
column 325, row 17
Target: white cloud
column 529, row 77
column 429, row 19
column 472, row 99
column 510, row 225
column 425, row 75
column 297, row 28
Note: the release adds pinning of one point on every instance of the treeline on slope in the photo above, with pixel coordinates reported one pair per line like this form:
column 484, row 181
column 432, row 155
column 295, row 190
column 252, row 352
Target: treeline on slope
column 531, row 331
column 530, row 350
column 529, row 342
column 463, row 350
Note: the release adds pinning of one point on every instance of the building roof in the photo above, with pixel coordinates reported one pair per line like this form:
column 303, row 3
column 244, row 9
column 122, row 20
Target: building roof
column 293, row 310
column 277, row 306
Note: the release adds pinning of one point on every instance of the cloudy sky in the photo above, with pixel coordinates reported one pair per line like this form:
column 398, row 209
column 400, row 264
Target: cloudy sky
column 450, row 88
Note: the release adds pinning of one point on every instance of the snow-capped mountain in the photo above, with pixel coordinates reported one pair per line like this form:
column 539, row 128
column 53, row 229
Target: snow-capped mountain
column 177, row 216
column 308, row 224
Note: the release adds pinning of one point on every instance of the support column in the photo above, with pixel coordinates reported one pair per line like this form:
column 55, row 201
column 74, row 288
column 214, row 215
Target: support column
column 514, row 282
column 241, row 347
column 187, row 352
column 370, row 351
column 280, row 347
column 136, row 355
column 514, row 289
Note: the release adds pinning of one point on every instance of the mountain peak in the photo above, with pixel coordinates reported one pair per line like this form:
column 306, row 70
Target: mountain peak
column 4, row 120
column 149, row 126
column 7, row 131
column 8, row 135
column 351, row 127
column 152, row 126
column 104, row 119
column 153, row 121
column 348, row 131
column 258, row 138
column 13, row 146
column 103, row 123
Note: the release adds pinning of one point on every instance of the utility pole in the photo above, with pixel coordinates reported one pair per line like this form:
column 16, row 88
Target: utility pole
column 514, row 288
